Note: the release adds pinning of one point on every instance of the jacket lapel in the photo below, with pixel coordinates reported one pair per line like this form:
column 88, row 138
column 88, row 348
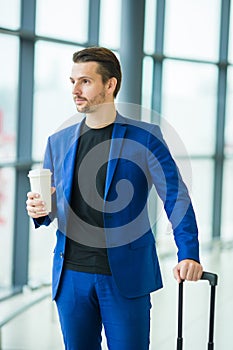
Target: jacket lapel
column 69, row 161
column 118, row 133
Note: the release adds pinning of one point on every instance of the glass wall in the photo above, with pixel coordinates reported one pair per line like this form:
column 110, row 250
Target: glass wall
column 10, row 14
column 227, row 217
column 7, row 196
column 53, row 102
column 192, row 29
column 183, row 65
column 9, row 48
column 231, row 36
column 62, row 20
column 181, row 71
column 150, row 26
column 110, row 17
column 147, row 83
column 9, row 57
column 189, row 103
column 229, row 115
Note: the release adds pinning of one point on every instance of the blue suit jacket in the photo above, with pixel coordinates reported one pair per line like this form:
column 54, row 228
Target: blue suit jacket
column 138, row 159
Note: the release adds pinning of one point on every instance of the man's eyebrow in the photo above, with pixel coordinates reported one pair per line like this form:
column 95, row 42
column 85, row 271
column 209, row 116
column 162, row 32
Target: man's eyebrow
column 82, row 77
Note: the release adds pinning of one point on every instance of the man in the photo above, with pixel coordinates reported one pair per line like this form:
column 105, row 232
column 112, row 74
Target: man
column 105, row 261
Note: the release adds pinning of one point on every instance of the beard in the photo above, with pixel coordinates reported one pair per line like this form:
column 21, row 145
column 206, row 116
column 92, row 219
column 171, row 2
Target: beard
column 93, row 104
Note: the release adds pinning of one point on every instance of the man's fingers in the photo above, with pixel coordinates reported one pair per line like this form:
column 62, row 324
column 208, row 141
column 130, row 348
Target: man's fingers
column 200, row 272
column 32, row 195
column 34, row 202
column 189, row 270
column 194, row 272
column 35, row 206
column 176, row 274
column 36, row 211
column 37, row 215
column 184, row 271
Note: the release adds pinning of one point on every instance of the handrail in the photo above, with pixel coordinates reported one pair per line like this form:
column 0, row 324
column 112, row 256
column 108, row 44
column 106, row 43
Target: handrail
column 21, row 309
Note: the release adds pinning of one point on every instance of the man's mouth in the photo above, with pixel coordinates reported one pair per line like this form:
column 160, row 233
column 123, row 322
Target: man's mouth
column 79, row 100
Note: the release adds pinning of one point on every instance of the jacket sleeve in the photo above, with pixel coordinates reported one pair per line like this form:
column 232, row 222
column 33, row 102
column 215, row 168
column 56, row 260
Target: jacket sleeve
column 174, row 194
column 48, row 164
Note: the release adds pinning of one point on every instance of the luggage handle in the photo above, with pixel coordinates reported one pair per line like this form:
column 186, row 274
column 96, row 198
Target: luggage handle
column 213, row 280
column 211, row 277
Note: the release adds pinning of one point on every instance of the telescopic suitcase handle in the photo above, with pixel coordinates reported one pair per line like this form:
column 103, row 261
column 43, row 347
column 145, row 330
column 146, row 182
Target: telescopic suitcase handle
column 213, row 281
column 211, row 277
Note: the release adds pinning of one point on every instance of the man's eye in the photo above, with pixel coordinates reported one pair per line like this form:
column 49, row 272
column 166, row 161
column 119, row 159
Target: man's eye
column 86, row 81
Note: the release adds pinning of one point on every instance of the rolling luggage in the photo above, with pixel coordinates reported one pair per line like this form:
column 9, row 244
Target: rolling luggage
column 213, row 280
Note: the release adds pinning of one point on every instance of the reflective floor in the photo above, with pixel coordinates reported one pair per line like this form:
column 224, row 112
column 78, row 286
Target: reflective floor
column 38, row 328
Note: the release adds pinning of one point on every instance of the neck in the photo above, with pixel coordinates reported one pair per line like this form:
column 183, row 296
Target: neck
column 105, row 115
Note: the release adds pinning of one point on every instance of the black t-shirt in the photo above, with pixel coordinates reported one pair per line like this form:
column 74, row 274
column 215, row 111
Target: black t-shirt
column 87, row 199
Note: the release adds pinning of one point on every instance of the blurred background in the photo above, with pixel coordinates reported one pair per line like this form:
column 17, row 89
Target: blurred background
column 177, row 62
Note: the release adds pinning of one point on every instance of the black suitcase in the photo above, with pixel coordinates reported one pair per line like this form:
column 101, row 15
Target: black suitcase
column 213, row 280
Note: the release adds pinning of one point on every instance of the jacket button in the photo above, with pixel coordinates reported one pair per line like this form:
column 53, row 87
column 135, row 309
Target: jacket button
column 61, row 255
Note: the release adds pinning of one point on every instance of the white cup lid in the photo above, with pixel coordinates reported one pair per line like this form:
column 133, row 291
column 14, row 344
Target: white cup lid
column 39, row 172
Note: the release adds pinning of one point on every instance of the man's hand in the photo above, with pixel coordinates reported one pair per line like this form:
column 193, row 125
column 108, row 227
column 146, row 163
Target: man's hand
column 188, row 269
column 36, row 208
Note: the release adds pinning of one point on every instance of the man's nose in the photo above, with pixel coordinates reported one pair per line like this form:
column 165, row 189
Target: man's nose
column 76, row 89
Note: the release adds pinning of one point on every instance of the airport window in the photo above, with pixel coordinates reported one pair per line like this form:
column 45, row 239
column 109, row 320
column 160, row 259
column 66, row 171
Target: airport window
column 8, row 96
column 63, row 20
column 147, row 81
column 53, row 102
column 10, row 14
column 229, row 114
column 110, row 24
column 201, row 191
column 192, row 29
column 227, row 219
column 189, row 103
column 8, row 126
column 7, row 196
column 150, row 26
column 231, row 37
column 187, row 77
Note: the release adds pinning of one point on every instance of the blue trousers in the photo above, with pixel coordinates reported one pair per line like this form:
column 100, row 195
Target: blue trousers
column 87, row 301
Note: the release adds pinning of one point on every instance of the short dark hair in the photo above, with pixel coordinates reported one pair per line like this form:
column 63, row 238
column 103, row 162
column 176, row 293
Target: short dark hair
column 108, row 64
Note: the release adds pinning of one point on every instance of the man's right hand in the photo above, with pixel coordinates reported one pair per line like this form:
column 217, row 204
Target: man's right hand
column 36, row 208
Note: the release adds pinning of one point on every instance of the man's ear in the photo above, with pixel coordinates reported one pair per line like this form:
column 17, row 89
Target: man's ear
column 111, row 85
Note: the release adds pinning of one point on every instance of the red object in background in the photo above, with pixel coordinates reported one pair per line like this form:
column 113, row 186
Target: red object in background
column 6, row 149
column 2, row 198
column 1, row 122
column 4, row 138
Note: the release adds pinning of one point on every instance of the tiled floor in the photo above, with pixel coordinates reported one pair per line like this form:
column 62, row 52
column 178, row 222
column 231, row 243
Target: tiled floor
column 38, row 328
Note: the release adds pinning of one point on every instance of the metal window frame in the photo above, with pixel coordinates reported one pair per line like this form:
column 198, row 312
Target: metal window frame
column 219, row 157
column 222, row 65
column 158, row 57
column 94, row 22
column 24, row 149
column 131, row 49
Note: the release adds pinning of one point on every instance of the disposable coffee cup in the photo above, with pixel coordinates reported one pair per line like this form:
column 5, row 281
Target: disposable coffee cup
column 40, row 182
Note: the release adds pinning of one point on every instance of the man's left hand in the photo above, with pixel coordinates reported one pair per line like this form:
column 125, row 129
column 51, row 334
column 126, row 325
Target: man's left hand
column 188, row 269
